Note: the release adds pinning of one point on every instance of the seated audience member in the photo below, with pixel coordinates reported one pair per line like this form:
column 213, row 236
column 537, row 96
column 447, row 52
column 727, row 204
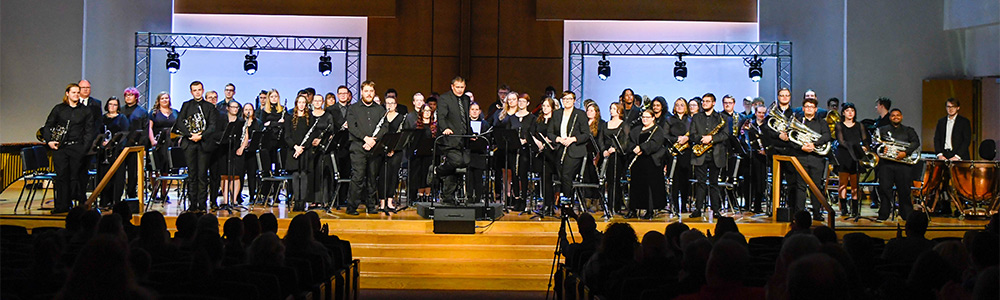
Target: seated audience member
column 838, row 253
column 724, row 225
column 825, row 234
column 955, row 253
column 266, row 250
column 185, row 224
column 587, row 227
column 905, row 250
column 653, row 261
column 929, row 274
column 617, row 251
column 801, row 223
column 72, row 226
column 251, row 228
column 154, row 237
column 727, row 266
column 299, row 240
column 692, row 275
column 121, row 208
column 816, row 276
column 112, row 225
column 103, row 263
column 233, row 235
column 983, row 248
column 673, row 236
column 268, row 223
column 986, row 286
column 792, row 248
column 690, row 236
column 330, row 241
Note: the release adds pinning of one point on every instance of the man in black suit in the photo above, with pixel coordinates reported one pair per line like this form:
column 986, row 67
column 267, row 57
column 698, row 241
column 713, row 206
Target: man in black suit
column 197, row 146
column 570, row 131
column 891, row 173
column 953, row 134
column 93, row 103
column 364, row 124
column 453, row 119
column 340, row 146
column 706, row 167
column 882, row 106
column 810, row 160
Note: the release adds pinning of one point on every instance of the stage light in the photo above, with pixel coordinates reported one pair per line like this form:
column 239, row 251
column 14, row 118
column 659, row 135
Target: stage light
column 173, row 61
column 250, row 64
column 680, row 68
column 755, row 72
column 325, row 66
column 604, row 67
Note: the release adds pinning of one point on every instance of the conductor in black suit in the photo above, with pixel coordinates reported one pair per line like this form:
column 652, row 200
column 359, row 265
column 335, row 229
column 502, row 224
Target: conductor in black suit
column 453, row 119
column 953, row 134
column 570, row 131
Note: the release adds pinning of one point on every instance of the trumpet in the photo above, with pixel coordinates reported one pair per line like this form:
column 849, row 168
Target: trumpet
column 700, row 149
column 887, row 149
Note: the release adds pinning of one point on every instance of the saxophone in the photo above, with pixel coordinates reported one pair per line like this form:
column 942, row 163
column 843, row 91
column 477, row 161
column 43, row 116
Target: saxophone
column 700, row 149
column 680, row 147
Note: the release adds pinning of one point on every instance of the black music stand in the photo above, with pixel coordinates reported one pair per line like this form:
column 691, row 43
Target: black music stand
column 506, row 140
column 478, row 147
column 392, row 142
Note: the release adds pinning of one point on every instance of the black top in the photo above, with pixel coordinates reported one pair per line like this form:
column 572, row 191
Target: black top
column 115, row 124
column 453, row 113
column 96, row 109
column 702, row 124
column 361, row 122
column 851, row 139
column 295, row 133
column 576, row 127
column 901, row 133
column 162, row 122
column 650, row 142
column 678, row 126
column 610, row 135
column 71, row 117
column 733, row 124
column 138, row 119
column 223, row 107
column 191, row 108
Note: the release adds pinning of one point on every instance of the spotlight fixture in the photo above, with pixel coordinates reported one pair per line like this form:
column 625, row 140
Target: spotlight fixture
column 604, row 67
column 755, row 72
column 173, row 61
column 324, row 63
column 680, row 67
column 250, row 64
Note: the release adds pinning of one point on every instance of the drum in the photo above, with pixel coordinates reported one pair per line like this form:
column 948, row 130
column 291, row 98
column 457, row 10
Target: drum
column 935, row 172
column 975, row 185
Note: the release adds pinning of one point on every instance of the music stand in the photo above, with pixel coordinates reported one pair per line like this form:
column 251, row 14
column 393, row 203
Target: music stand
column 478, row 147
column 506, row 140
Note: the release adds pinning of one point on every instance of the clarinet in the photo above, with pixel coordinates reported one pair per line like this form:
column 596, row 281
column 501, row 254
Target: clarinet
column 565, row 148
column 647, row 140
column 305, row 139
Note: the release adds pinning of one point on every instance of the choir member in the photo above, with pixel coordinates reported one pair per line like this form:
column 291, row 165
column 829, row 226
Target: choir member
column 137, row 119
column 249, row 159
column 233, row 145
column 479, row 149
column 317, row 161
column 759, row 161
column 273, row 117
column 422, row 158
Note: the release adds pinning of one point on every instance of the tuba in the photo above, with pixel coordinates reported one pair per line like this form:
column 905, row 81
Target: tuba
column 888, row 147
column 800, row 134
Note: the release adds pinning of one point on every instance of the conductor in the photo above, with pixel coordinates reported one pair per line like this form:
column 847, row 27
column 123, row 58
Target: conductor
column 453, row 119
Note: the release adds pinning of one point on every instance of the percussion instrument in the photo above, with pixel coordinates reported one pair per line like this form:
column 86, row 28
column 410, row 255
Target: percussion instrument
column 974, row 186
column 934, row 175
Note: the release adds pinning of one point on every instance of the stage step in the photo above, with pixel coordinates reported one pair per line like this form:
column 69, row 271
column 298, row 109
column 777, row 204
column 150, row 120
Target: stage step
column 457, row 266
column 453, row 251
column 411, row 237
column 426, row 281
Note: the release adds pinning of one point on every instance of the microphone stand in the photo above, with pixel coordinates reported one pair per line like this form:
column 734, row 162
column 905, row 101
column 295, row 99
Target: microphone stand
column 229, row 165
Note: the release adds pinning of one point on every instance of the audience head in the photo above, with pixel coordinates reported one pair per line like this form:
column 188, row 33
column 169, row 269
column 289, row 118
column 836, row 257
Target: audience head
column 673, row 235
column 233, row 229
column 89, row 220
column 916, row 224
column 986, row 285
column 690, row 236
column 795, row 247
column 816, row 276
column 654, row 246
column 208, row 223
column 695, row 257
column 299, row 232
column 983, row 248
column 825, row 234
column 122, row 209
column 619, row 241
column 586, row 224
column 737, row 237
column 266, row 250
column 954, row 252
column 859, row 246
column 931, row 271
column 727, row 263
column 251, row 228
column 314, row 221
column 103, row 262
column 73, row 218
column 268, row 223
column 153, row 229
column 802, row 220
column 112, row 225
column 724, row 225
column 186, row 224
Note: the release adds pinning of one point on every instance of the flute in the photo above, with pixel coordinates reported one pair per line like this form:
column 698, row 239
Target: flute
column 647, row 140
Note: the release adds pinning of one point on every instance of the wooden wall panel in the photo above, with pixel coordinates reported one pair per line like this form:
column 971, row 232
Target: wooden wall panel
column 367, row 8
column 672, row 10
column 521, row 35
column 407, row 34
column 406, row 74
column 444, row 69
column 447, row 27
column 483, row 82
column 935, row 93
column 485, row 27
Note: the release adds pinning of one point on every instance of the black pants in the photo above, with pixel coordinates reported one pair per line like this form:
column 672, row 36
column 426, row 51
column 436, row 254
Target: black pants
column 250, row 166
column 217, row 163
column 896, row 174
column 68, row 161
column 648, row 190
column 758, row 181
column 364, row 169
column 197, row 181
column 681, row 188
column 567, row 172
column 797, row 196
column 416, row 177
column 708, row 180
column 300, row 184
column 388, row 178
column 131, row 178
column 613, row 182
column 453, row 159
column 344, row 167
column 113, row 191
column 548, row 170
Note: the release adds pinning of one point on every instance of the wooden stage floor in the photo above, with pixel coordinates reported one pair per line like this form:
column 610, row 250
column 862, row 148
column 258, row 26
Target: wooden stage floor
column 515, row 253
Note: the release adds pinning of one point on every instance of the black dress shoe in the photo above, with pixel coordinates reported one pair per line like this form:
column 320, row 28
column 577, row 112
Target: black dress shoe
column 353, row 212
column 874, row 205
column 372, row 211
column 818, row 217
column 630, row 215
column 695, row 214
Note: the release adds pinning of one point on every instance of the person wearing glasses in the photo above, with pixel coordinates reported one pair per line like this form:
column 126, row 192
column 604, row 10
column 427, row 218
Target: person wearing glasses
column 706, row 166
column 648, row 188
column 569, row 131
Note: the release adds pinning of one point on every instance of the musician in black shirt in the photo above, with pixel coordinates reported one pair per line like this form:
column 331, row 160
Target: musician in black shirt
column 200, row 115
column 363, row 120
column 115, row 125
column 811, row 161
column 892, row 173
column 568, row 129
column 299, row 132
column 70, row 147
column 137, row 119
column 707, row 128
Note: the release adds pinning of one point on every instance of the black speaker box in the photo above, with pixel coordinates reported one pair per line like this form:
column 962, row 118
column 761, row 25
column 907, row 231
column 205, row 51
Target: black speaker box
column 784, row 215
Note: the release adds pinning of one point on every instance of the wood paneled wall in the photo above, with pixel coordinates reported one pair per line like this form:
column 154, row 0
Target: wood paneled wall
column 420, row 45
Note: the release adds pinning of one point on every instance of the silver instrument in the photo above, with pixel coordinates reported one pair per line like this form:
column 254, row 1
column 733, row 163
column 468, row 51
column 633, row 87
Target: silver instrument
column 305, row 139
column 569, row 130
column 106, row 146
column 636, row 157
column 798, row 133
column 888, row 147
column 58, row 133
column 196, row 123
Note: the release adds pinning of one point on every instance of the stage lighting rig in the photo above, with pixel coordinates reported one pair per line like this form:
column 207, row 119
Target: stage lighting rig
column 173, row 61
column 250, row 64
column 604, row 67
column 755, row 72
column 325, row 66
column 680, row 67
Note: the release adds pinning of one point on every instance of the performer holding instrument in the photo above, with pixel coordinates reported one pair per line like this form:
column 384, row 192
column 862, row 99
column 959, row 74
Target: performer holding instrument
column 853, row 154
column 545, row 163
column 679, row 144
column 299, row 132
column 568, row 129
column 811, row 135
column 388, row 178
column 252, row 125
column 898, row 150
column 199, row 117
column 364, row 122
column 757, row 141
column 615, row 141
column 708, row 132
column 109, row 144
column 647, row 187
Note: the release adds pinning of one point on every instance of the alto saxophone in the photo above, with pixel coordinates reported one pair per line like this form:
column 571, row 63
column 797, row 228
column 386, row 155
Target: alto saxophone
column 700, row 149
column 680, row 147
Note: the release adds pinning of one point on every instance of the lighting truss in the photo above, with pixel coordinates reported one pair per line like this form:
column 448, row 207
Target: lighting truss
column 146, row 41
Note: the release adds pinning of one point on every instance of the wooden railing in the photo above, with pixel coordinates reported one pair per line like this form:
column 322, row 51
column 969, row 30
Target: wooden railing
column 141, row 163
column 776, row 186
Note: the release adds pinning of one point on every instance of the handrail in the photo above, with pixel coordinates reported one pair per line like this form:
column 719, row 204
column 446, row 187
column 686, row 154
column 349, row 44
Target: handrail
column 776, row 186
column 141, row 163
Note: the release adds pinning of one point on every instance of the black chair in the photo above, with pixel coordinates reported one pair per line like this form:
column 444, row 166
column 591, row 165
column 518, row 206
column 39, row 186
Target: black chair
column 580, row 183
column 175, row 163
column 278, row 177
column 32, row 177
column 988, row 149
column 339, row 183
column 728, row 186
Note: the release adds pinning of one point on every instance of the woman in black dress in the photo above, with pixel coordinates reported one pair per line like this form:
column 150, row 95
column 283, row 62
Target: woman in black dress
column 296, row 129
column 676, row 132
column 115, row 124
column 233, row 144
column 273, row 116
column 249, row 152
column 853, row 139
column 318, row 160
column 162, row 120
column 647, row 186
column 422, row 157
column 545, row 161
column 615, row 141
column 388, row 180
column 597, row 128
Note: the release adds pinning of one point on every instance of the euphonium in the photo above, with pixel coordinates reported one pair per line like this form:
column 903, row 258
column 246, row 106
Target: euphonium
column 777, row 121
column 888, row 148
column 869, row 160
column 800, row 134
column 700, row 149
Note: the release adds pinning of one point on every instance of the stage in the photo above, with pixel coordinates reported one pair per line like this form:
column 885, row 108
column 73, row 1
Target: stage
column 513, row 253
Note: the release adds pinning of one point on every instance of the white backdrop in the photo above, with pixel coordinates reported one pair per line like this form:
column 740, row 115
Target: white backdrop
column 653, row 76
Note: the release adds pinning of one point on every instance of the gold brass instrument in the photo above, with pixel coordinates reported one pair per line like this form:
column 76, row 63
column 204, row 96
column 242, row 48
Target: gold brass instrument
column 887, row 149
column 700, row 149
column 800, row 134
column 680, row 147
column 869, row 159
column 832, row 118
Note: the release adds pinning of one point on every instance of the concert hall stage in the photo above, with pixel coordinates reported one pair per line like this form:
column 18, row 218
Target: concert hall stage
column 514, row 253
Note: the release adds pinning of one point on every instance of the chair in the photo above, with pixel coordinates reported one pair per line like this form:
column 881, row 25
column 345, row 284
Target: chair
column 578, row 183
column 173, row 174
column 277, row 177
column 339, row 182
column 31, row 176
column 729, row 187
